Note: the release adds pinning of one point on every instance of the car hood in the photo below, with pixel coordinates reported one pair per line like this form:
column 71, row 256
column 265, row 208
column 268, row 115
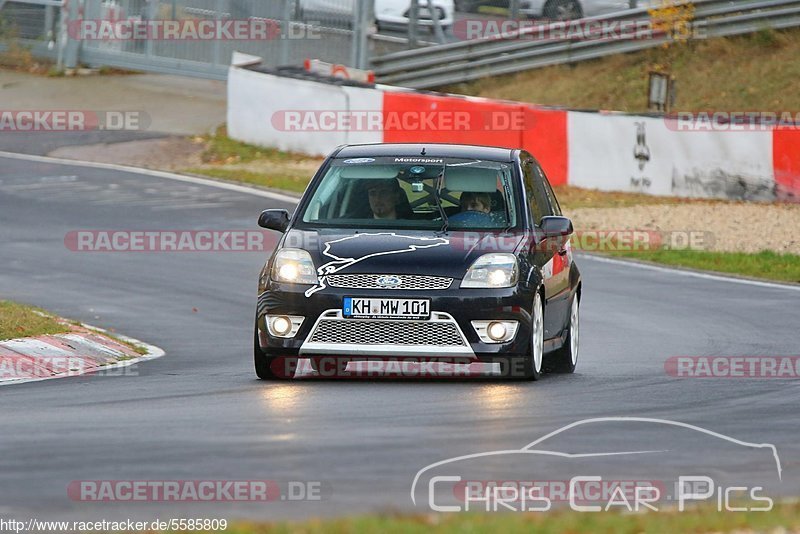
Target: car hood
column 398, row 251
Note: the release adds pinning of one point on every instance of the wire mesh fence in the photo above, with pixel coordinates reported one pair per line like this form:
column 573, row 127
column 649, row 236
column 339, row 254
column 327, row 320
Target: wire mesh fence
column 196, row 37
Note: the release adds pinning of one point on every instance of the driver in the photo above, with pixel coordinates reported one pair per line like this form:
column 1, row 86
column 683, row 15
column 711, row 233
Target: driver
column 384, row 196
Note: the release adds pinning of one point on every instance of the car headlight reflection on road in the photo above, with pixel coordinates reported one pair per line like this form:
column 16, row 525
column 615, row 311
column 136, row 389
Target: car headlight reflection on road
column 294, row 266
column 492, row 270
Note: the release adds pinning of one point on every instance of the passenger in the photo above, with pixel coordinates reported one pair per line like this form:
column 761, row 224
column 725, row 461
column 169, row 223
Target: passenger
column 481, row 202
column 475, row 210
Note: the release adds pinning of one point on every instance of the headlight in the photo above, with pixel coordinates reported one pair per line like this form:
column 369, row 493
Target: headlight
column 294, row 266
column 492, row 270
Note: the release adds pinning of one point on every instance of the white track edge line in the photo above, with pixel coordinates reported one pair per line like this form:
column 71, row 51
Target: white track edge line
column 154, row 173
column 682, row 272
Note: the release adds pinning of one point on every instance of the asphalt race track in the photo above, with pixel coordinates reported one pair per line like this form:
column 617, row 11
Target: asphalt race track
column 200, row 413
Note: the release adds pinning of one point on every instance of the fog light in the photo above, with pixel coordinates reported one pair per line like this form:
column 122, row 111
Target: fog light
column 281, row 325
column 496, row 331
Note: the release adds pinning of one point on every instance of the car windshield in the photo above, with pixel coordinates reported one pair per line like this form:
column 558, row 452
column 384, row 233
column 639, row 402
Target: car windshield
column 408, row 192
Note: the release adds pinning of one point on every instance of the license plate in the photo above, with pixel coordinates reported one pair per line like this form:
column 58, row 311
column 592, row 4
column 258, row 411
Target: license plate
column 370, row 308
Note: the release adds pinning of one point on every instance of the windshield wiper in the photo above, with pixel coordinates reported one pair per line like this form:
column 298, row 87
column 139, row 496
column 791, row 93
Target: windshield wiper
column 438, row 197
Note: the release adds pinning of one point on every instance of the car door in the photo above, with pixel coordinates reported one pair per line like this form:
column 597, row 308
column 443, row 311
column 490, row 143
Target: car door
column 540, row 254
column 551, row 258
column 562, row 258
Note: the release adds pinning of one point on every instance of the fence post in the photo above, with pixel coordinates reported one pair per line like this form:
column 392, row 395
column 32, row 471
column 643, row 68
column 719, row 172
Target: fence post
column 151, row 13
column 362, row 19
column 49, row 18
column 284, row 36
column 437, row 24
column 219, row 6
column 72, row 47
column 413, row 20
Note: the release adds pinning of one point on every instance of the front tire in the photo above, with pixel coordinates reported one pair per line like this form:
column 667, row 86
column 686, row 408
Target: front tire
column 271, row 368
column 532, row 364
column 565, row 359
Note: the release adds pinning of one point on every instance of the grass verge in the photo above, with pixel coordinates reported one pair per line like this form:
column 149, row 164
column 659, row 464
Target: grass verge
column 782, row 518
column 19, row 320
column 279, row 180
column 227, row 159
column 765, row 63
column 767, row 265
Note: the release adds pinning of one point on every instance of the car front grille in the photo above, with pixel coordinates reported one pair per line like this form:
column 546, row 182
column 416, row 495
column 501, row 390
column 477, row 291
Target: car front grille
column 370, row 281
column 382, row 332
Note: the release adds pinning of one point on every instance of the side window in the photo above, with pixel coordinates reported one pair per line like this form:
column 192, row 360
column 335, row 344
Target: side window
column 537, row 196
column 555, row 206
column 530, row 188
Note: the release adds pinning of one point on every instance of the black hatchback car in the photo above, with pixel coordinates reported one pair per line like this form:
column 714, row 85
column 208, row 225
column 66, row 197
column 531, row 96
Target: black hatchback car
column 421, row 252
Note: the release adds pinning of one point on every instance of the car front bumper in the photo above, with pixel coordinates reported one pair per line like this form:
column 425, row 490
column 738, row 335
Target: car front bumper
column 448, row 334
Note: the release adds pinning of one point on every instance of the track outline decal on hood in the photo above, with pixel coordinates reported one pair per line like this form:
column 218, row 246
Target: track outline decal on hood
column 339, row 264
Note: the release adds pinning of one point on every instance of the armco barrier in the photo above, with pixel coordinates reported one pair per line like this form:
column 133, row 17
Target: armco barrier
column 597, row 150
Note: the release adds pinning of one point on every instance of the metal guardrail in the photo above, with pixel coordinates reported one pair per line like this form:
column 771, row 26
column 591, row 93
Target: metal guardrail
column 516, row 51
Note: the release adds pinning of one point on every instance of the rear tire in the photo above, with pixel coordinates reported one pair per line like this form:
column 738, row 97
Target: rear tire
column 565, row 359
column 267, row 367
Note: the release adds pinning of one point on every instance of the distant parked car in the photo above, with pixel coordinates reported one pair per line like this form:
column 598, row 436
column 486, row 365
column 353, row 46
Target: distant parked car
column 556, row 9
column 387, row 12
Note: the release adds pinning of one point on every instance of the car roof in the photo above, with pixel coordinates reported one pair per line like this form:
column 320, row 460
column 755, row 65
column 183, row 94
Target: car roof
column 431, row 150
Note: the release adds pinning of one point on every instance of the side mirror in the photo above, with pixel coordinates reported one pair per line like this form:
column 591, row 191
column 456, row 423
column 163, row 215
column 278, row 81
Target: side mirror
column 556, row 227
column 274, row 220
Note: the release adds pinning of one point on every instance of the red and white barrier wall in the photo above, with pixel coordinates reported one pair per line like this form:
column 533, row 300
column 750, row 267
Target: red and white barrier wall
column 607, row 151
